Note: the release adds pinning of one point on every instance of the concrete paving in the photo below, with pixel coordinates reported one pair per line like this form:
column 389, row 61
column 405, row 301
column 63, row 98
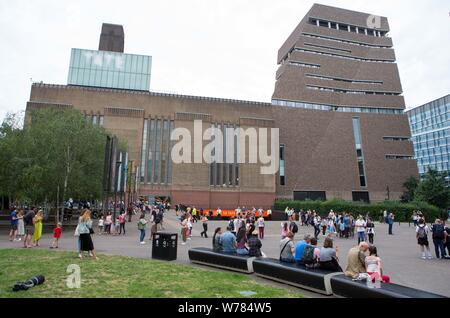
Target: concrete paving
column 400, row 252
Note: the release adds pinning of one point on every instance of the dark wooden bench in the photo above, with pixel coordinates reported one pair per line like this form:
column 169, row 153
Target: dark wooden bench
column 316, row 280
column 343, row 286
column 233, row 262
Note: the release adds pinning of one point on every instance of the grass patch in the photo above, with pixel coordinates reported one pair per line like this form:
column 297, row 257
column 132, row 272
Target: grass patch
column 117, row 276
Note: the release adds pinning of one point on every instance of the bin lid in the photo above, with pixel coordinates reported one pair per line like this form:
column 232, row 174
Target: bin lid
column 166, row 233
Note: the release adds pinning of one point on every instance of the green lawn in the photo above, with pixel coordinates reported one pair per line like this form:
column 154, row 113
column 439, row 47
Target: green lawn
column 114, row 276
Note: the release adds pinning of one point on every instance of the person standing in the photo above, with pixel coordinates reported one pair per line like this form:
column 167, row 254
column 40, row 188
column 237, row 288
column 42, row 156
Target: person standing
column 439, row 236
column 323, row 225
column 37, row 228
column 108, row 223
column 422, row 238
column 370, row 230
column 20, row 225
column 261, row 225
column 29, row 228
column 84, row 229
column 415, row 218
column 142, row 224
column 56, row 235
column 184, row 229
column 122, row 220
column 204, row 221
column 194, row 215
column 14, row 224
column 360, row 225
column 390, row 222
column 316, row 224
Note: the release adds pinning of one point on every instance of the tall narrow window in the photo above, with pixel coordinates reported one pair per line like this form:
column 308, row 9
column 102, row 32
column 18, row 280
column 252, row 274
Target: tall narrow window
column 359, row 151
column 94, row 120
column 236, row 156
column 144, row 149
column 224, row 168
column 218, row 166
column 212, row 172
column 101, row 120
column 282, row 166
column 157, row 151
column 169, row 164
column 151, row 152
column 164, row 152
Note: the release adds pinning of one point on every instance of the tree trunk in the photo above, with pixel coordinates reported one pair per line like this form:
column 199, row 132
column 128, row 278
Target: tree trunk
column 66, row 178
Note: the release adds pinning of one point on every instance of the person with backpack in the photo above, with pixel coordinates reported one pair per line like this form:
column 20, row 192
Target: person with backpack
column 287, row 248
column 422, row 238
column 311, row 254
column 300, row 248
column 439, row 236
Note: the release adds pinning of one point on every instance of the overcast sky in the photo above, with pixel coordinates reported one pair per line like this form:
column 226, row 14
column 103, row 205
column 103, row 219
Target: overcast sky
column 214, row 48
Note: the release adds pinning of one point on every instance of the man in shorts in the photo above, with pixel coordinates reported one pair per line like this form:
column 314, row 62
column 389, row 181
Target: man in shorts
column 29, row 228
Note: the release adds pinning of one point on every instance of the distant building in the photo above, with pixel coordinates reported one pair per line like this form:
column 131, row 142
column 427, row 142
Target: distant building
column 430, row 127
column 337, row 102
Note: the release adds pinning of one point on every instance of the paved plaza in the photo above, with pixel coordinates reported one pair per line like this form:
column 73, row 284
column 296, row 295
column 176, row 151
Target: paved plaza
column 400, row 252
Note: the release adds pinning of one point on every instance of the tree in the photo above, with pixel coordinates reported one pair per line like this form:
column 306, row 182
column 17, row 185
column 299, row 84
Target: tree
column 410, row 186
column 432, row 189
column 57, row 148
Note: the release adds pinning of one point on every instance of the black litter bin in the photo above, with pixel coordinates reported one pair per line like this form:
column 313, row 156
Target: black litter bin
column 164, row 246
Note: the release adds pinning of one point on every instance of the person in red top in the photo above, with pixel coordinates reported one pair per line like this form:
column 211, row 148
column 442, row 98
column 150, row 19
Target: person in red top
column 56, row 235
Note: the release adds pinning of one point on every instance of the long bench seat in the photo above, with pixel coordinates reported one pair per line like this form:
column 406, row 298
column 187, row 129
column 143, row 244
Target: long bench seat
column 233, row 262
column 343, row 286
column 316, row 280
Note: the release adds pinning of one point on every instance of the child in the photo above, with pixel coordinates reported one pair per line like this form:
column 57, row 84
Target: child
column 101, row 225
column 20, row 226
column 56, row 235
column 117, row 226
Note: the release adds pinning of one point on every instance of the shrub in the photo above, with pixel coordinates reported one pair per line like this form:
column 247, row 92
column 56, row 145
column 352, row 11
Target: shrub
column 402, row 211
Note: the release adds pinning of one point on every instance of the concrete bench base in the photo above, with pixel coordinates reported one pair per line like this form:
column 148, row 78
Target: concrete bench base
column 233, row 262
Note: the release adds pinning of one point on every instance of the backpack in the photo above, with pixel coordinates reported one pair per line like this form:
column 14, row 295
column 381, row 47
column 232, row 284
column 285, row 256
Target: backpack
column 294, row 227
column 422, row 232
column 308, row 255
column 438, row 231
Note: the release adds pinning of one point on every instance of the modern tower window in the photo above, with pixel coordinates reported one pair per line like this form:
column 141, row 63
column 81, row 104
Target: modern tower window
column 359, row 151
column 282, row 166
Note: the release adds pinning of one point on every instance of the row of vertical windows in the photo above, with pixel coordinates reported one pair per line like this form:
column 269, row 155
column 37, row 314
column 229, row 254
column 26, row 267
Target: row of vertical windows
column 341, row 56
column 353, row 81
column 96, row 119
column 225, row 173
column 327, row 47
column 303, row 64
column 396, row 138
column 347, row 28
column 399, row 157
column 323, row 37
column 348, row 91
column 341, row 109
column 156, row 164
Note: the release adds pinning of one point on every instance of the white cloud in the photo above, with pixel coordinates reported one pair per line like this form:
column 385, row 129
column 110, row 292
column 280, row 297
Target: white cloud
column 211, row 47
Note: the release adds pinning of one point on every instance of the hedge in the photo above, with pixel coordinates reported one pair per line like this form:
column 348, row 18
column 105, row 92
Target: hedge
column 402, row 211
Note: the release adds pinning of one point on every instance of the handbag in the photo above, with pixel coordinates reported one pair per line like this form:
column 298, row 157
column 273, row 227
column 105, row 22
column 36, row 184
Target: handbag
column 91, row 231
column 283, row 249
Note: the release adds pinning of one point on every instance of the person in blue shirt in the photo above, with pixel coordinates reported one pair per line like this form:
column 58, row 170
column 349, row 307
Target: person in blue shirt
column 14, row 223
column 346, row 225
column 390, row 222
column 228, row 242
column 300, row 247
